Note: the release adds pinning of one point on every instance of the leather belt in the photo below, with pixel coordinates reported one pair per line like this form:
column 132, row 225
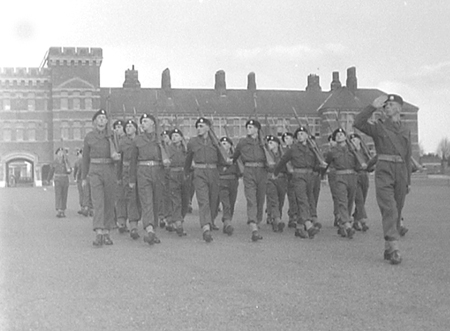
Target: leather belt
column 228, row 177
column 345, row 172
column 205, row 166
column 150, row 163
column 390, row 158
column 60, row 175
column 302, row 170
column 101, row 160
column 176, row 169
column 255, row 164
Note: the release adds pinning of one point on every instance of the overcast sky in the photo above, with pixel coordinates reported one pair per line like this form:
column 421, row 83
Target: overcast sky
column 397, row 46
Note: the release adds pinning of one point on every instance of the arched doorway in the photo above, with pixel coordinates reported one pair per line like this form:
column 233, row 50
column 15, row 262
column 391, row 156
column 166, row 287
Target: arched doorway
column 19, row 172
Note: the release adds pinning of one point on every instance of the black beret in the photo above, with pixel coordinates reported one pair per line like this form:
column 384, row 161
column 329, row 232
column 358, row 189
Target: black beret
column 300, row 129
column 204, row 121
column 272, row 138
column 165, row 132
column 145, row 115
column 335, row 132
column 330, row 137
column 99, row 112
column 284, row 135
column 228, row 140
column 254, row 123
column 118, row 122
column 395, row 98
column 130, row 122
column 175, row 131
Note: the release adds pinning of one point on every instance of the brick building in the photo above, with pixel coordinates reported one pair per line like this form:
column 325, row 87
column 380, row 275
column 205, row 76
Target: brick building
column 44, row 108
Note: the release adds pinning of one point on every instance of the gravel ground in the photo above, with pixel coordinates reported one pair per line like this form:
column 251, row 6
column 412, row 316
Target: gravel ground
column 52, row 278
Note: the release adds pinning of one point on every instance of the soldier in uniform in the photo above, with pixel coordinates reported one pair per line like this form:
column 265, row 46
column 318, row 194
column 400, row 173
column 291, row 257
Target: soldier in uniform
column 252, row 154
column 77, row 178
column 303, row 161
column 146, row 171
column 98, row 164
column 341, row 158
column 119, row 133
column 332, row 183
column 178, row 185
column 229, row 182
column 202, row 150
column 60, row 170
column 393, row 170
column 129, row 209
column 362, row 188
column 315, row 191
column 276, row 187
column 165, row 202
column 288, row 140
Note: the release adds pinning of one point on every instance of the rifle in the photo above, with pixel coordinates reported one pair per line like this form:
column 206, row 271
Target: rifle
column 213, row 136
column 238, row 161
column 113, row 143
column 270, row 159
column 162, row 147
column 312, row 144
column 372, row 160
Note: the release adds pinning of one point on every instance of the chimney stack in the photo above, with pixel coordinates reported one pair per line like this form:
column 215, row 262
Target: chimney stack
column 131, row 78
column 166, row 86
column 220, row 85
column 352, row 82
column 335, row 84
column 313, row 83
column 251, row 82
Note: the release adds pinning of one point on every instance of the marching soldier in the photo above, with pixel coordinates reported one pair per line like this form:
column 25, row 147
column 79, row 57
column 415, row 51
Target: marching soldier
column 206, row 156
column 119, row 133
column 60, row 170
column 178, row 185
column 229, row 182
column 146, row 171
column 98, row 164
column 315, row 191
column 393, row 170
column 276, row 187
column 342, row 159
column 362, row 188
column 251, row 151
column 288, row 140
column 303, row 161
column 332, row 184
column 129, row 208
column 165, row 197
column 77, row 178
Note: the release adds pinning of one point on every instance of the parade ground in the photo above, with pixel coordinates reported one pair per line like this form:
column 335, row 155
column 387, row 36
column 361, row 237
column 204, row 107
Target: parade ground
column 53, row 278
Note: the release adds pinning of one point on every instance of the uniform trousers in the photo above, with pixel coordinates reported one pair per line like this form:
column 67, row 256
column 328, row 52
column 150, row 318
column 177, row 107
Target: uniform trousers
column 102, row 179
column 391, row 188
column 149, row 183
column 61, row 192
column 255, row 183
column 292, row 210
column 276, row 194
column 345, row 190
column 332, row 184
column 128, row 205
column 206, row 183
column 314, row 193
column 362, row 188
column 179, row 196
column 228, row 195
column 302, row 190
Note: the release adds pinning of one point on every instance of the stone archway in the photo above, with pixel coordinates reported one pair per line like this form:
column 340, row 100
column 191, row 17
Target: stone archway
column 20, row 169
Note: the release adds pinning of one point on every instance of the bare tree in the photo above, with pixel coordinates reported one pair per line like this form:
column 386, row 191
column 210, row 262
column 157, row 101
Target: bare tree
column 443, row 151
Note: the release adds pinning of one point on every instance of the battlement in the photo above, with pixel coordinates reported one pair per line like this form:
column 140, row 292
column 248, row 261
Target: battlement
column 74, row 56
column 20, row 72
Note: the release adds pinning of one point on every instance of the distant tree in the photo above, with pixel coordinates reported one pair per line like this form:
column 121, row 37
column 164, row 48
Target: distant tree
column 444, row 152
column 421, row 149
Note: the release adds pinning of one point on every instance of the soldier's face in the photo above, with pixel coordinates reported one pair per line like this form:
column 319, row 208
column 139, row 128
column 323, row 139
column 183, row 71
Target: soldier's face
column 119, row 129
column 288, row 140
column 356, row 141
column 101, row 121
column 226, row 145
column 176, row 138
column 301, row 136
column 273, row 145
column 202, row 129
column 148, row 125
column 130, row 129
column 391, row 108
column 251, row 130
column 166, row 138
column 340, row 137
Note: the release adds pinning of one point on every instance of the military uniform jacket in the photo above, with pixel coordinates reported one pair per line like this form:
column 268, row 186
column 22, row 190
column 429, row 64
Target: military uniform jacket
column 96, row 145
column 341, row 158
column 250, row 150
column 177, row 155
column 77, row 169
column 227, row 169
column 201, row 150
column 300, row 156
column 58, row 167
column 145, row 148
column 385, row 134
column 125, row 149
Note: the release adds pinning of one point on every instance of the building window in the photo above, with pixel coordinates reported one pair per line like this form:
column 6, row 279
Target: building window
column 31, row 102
column 65, row 131
column 76, row 101
column 64, row 101
column 76, row 131
column 31, row 132
column 6, row 104
column 19, row 132
column 88, row 104
column 7, row 132
column 45, row 132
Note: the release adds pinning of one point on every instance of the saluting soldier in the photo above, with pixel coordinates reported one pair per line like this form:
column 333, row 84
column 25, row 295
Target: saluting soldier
column 341, row 158
column 229, row 182
column 206, row 156
column 362, row 188
column 251, row 151
column 129, row 209
column 178, row 185
column 98, row 164
column 60, row 170
column 288, row 140
column 276, row 187
column 392, row 140
column 303, row 161
column 146, row 171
